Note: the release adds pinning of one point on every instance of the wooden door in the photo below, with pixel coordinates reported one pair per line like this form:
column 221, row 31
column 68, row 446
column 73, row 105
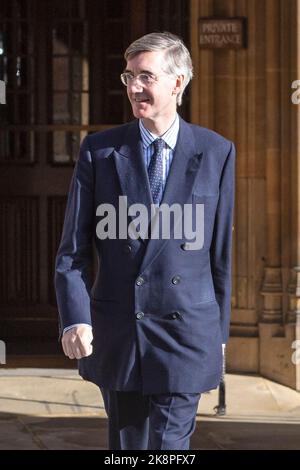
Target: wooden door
column 61, row 62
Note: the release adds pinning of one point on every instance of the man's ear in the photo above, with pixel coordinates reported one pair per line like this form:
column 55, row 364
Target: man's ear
column 178, row 85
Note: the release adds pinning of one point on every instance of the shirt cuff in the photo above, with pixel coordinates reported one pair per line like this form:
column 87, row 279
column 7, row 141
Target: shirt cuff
column 73, row 326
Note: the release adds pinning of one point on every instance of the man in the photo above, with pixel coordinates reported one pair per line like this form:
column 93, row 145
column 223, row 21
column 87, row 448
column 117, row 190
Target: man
column 150, row 331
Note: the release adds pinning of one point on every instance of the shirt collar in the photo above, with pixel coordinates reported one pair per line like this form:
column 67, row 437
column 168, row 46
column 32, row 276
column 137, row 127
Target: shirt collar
column 170, row 136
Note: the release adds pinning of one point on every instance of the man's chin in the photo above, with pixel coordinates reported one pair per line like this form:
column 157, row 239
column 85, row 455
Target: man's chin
column 140, row 113
column 141, row 110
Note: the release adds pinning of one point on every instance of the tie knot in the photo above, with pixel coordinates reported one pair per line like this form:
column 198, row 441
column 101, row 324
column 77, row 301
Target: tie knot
column 159, row 145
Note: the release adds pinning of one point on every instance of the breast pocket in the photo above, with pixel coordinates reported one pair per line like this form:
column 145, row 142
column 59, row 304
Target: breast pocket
column 202, row 195
column 208, row 201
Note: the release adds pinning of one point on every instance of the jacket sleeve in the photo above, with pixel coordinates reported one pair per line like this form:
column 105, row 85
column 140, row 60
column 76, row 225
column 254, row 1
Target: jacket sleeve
column 220, row 251
column 74, row 257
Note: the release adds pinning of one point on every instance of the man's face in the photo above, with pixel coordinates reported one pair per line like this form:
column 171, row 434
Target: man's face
column 157, row 100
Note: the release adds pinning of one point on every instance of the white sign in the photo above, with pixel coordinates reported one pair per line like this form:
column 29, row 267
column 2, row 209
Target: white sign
column 2, row 92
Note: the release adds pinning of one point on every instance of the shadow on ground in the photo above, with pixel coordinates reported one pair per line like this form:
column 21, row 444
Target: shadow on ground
column 18, row 432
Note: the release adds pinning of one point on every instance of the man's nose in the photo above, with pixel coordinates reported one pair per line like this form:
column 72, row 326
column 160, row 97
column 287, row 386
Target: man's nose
column 135, row 86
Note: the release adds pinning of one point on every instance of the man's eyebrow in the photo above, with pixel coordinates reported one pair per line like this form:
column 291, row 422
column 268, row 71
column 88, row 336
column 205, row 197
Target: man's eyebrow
column 142, row 71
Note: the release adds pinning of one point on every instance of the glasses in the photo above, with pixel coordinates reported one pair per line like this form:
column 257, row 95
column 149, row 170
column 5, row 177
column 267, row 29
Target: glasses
column 144, row 79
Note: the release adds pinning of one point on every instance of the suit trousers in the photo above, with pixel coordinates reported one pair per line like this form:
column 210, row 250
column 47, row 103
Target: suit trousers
column 144, row 422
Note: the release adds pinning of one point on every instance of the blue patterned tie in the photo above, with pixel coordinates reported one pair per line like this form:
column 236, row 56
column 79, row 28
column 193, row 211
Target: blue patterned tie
column 155, row 171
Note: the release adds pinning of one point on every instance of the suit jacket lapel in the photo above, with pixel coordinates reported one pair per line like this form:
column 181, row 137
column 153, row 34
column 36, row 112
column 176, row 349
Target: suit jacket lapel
column 184, row 168
column 131, row 169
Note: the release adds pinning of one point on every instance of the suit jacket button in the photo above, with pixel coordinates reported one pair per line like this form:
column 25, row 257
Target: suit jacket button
column 139, row 315
column 140, row 281
column 176, row 315
column 127, row 248
column 176, row 279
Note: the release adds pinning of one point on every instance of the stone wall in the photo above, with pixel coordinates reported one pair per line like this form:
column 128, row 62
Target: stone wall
column 245, row 94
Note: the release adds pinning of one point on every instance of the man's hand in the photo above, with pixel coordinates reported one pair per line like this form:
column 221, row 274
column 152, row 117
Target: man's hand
column 76, row 342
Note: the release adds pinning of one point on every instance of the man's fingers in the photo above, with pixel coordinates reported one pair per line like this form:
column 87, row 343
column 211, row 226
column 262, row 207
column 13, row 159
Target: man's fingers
column 67, row 347
column 85, row 347
column 84, row 342
column 80, row 351
column 88, row 349
column 77, row 353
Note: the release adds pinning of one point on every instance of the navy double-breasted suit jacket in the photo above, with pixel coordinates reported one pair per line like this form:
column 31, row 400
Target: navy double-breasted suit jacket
column 159, row 311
